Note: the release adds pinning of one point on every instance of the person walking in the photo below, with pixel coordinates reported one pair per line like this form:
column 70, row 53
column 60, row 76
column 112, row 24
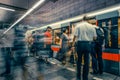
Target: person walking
column 7, row 58
column 85, row 33
column 64, row 45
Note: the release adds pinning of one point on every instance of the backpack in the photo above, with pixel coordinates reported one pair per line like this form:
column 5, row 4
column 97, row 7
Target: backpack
column 100, row 36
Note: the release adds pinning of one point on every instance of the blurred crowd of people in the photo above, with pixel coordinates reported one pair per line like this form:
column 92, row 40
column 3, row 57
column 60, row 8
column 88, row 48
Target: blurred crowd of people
column 88, row 40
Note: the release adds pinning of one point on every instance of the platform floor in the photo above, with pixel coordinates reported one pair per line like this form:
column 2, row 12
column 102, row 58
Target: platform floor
column 36, row 69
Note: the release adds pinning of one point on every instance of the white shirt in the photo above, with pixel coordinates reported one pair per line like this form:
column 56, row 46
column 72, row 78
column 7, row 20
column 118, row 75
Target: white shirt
column 85, row 31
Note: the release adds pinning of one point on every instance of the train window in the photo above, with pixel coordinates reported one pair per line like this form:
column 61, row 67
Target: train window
column 110, row 27
column 56, row 34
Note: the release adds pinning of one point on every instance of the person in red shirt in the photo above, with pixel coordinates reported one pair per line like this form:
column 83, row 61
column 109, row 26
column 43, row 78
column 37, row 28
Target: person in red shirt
column 48, row 36
column 48, row 39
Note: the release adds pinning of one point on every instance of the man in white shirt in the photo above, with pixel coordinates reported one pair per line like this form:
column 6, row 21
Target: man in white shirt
column 85, row 33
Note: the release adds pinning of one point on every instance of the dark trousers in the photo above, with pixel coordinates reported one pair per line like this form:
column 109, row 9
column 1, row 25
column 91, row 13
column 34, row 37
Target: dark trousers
column 7, row 58
column 48, row 47
column 7, row 62
column 94, row 58
column 33, row 49
column 83, row 49
column 97, row 62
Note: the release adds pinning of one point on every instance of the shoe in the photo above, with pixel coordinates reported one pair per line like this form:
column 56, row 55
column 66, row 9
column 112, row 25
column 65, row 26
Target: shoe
column 93, row 73
column 78, row 79
column 100, row 73
column 63, row 62
column 4, row 74
column 74, row 65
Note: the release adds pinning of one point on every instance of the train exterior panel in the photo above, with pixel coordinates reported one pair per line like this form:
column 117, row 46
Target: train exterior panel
column 110, row 22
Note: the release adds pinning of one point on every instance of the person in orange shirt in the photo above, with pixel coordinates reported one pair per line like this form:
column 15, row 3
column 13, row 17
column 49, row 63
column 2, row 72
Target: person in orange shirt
column 48, row 36
column 48, row 39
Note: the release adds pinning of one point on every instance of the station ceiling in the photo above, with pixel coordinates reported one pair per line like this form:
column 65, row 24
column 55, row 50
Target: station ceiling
column 51, row 11
column 20, row 7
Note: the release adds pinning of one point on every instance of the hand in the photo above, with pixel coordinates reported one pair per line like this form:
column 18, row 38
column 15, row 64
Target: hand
column 103, row 47
column 60, row 46
column 72, row 48
column 44, row 46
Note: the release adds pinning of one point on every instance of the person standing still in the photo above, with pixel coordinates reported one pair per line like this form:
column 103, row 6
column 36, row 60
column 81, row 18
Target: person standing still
column 85, row 33
column 96, row 53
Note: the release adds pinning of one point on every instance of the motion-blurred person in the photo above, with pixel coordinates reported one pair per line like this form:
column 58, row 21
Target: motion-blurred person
column 7, row 58
column 48, row 39
column 64, row 45
column 85, row 33
column 96, row 53
column 36, row 37
column 29, row 40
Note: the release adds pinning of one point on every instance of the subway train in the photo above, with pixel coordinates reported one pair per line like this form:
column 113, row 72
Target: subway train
column 110, row 22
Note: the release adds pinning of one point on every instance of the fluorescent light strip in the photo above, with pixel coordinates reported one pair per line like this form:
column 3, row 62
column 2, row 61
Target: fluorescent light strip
column 90, row 14
column 102, row 11
column 28, row 12
column 8, row 9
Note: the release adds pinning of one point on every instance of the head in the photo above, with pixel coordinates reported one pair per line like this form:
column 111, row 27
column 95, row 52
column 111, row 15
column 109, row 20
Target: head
column 38, row 31
column 49, row 29
column 33, row 32
column 65, row 30
column 85, row 18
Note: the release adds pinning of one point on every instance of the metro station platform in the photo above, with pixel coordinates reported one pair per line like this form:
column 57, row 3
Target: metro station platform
column 24, row 22
column 37, row 69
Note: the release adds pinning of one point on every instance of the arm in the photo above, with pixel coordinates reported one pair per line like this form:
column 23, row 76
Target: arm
column 60, row 43
column 103, row 45
column 75, row 36
column 73, row 43
column 61, row 38
column 94, row 35
column 94, row 38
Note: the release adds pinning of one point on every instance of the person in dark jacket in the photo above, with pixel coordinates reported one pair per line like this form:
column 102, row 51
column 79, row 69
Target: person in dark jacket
column 96, row 53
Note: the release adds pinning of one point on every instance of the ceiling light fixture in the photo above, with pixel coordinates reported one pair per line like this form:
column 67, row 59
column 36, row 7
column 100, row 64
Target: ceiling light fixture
column 8, row 9
column 27, row 13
